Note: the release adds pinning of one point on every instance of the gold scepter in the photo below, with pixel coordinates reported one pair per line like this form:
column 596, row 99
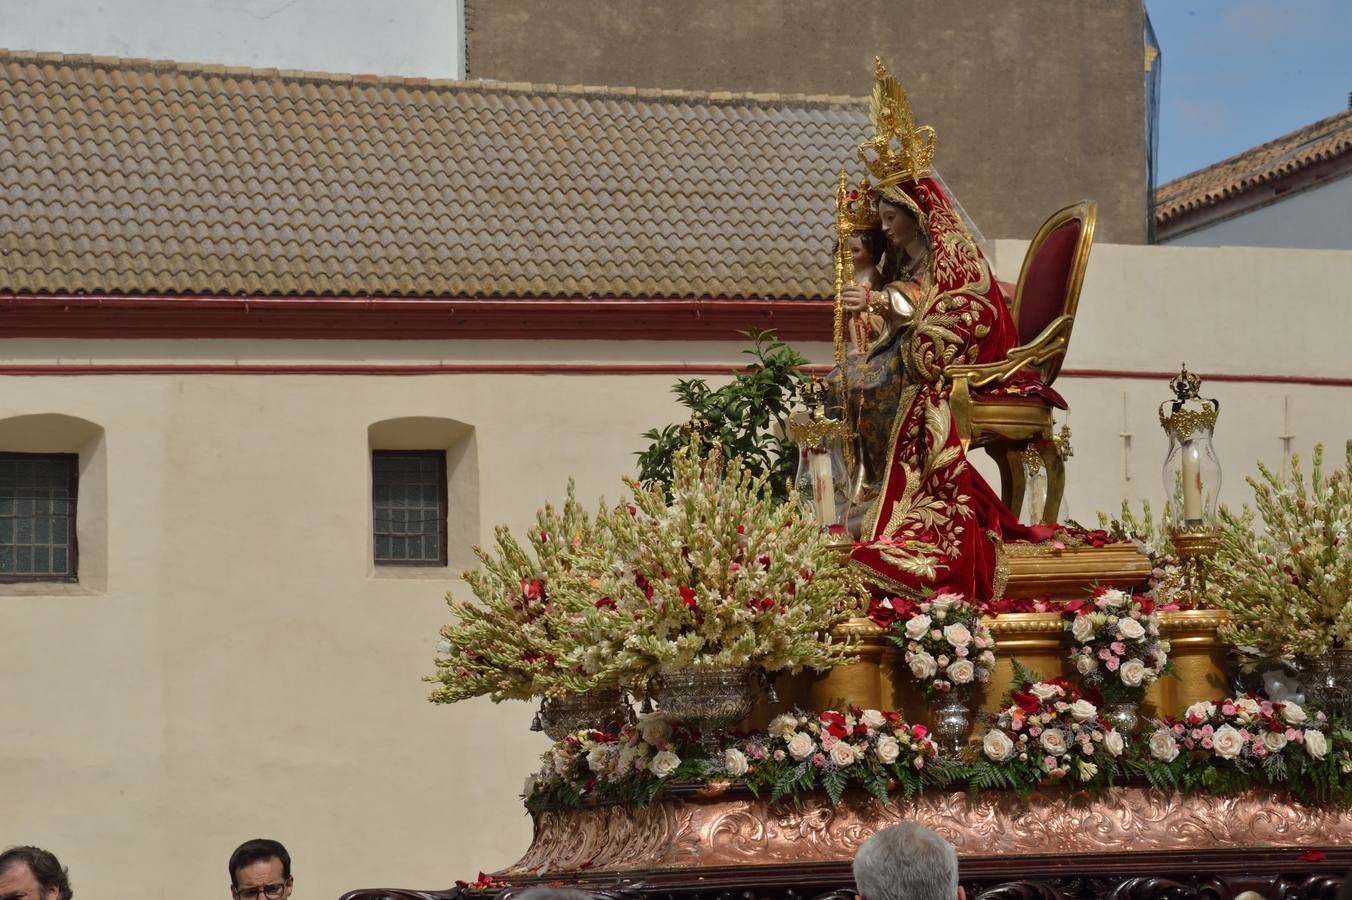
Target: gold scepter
column 844, row 228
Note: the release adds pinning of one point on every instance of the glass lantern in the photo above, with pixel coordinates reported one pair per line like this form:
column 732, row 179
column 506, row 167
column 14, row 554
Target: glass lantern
column 1192, row 473
column 823, row 479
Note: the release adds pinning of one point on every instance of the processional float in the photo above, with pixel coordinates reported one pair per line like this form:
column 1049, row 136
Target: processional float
column 1116, row 758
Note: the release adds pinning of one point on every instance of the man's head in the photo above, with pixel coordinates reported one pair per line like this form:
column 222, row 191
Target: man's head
column 260, row 869
column 907, row 862
column 28, row 873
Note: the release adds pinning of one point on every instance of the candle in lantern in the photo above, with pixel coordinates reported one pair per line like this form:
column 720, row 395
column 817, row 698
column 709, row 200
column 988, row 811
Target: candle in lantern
column 823, row 487
column 1192, row 483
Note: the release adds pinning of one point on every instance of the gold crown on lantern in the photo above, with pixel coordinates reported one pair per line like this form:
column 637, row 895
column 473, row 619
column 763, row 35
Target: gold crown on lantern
column 899, row 151
column 1189, row 410
column 856, row 208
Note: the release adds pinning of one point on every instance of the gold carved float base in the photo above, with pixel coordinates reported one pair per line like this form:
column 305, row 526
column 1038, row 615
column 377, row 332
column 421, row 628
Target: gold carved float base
column 879, row 678
column 697, row 833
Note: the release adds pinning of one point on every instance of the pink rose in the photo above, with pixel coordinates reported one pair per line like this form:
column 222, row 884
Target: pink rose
column 1112, row 663
column 818, row 760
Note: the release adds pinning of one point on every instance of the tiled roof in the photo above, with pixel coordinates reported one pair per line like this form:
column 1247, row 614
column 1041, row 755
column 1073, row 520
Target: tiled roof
column 1324, row 140
column 133, row 176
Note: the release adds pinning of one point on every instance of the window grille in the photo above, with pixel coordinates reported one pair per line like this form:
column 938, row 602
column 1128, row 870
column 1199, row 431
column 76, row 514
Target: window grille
column 409, row 507
column 38, row 493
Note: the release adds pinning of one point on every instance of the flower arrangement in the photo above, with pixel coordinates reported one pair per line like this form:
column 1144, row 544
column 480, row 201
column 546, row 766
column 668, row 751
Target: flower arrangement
column 719, row 576
column 1050, row 733
column 1237, row 742
column 1118, row 648
column 629, row 766
column 522, row 638
column 947, row 647
column 798, row 753
column 1287, row 588
column 834, row 749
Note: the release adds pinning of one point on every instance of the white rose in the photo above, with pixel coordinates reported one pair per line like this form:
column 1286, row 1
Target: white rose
column 1113, row 743
column 961, row 671
column 1082, row 629
column 997, row 745
column 1085, row 664
column 1132, row 673
column 1274, row 741
column 1114, row 597
column 1203, row 709
column 842, row 754
column 923, row 665
column 916, row 626
column 734, row 761
column 654, row 729
column 1130, row 629
column 1163, row 746
column 1294, row 713
column 957, row 634
column 1045, row 692
column 1054, row 741
column 801, row 746
column 873, row 718
column 1083, row 710
column 782, row 725
column 597, row 759
column 664, row 763
column 1316, row 744
column 887, row 749
column 1226, row 742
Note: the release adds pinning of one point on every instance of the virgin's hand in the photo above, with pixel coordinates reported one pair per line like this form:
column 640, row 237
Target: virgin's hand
column 854, row 298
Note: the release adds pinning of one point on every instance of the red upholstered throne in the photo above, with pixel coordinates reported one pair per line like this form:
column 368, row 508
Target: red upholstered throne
column 1006, row 407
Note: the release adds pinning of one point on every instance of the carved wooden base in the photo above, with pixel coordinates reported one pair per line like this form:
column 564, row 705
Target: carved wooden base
column 737, row 830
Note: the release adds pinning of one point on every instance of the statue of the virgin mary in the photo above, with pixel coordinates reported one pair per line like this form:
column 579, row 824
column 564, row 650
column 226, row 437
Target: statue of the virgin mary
column 931, row 521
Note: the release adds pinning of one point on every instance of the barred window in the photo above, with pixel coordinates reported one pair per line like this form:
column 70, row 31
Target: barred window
column 409, row 507
column 37, row 516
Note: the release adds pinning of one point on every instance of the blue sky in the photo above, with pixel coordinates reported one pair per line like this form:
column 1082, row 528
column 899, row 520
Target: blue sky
column 1238, row 73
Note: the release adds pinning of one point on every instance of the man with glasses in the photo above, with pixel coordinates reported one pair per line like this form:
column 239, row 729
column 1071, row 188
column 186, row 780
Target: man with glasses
column 260, row 870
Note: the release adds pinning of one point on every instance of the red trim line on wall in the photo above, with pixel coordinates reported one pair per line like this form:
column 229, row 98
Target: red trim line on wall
column 470, row 368
column 408, row 318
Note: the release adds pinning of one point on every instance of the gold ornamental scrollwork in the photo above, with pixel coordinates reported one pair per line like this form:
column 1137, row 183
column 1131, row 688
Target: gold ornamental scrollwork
column 690, row 833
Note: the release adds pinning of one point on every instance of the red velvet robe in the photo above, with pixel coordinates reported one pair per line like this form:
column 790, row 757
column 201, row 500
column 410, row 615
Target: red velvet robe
column 937, row 525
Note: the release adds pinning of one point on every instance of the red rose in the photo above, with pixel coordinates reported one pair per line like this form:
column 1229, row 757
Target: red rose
column 688, row 597
column 605, row 603
column 919, row 732
column 1029, row 703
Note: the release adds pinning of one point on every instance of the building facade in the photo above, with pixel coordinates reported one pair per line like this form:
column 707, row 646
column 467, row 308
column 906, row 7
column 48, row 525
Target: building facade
column 1295, row 191
column 1037, row 104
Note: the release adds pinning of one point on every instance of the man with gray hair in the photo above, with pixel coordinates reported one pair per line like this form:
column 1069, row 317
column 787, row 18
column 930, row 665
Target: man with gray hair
column 907, row 862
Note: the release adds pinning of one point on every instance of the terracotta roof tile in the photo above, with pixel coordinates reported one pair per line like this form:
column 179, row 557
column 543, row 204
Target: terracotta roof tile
column 1326, row 139
column 138, row 176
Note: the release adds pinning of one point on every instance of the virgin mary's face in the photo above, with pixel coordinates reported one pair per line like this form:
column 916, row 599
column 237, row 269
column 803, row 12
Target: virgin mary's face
column 898, row 225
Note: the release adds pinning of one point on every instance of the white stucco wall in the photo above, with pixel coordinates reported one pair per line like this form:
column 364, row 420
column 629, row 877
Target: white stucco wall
column 419, row 38
column 240, row 670
column 1318, row 218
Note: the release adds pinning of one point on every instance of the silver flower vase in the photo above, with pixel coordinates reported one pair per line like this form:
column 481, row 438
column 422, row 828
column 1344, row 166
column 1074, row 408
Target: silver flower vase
column 1327, row 680
column 1123, row 715
column 603, row 709
column 952, row 724
column 712, row 700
